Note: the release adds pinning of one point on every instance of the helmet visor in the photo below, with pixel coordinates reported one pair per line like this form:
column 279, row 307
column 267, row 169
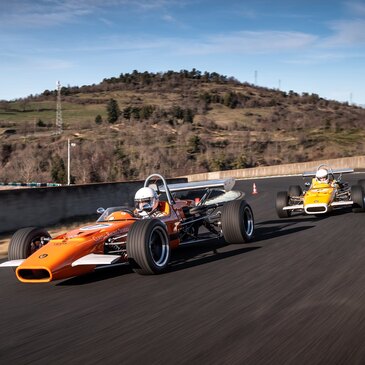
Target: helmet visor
column 144, row 204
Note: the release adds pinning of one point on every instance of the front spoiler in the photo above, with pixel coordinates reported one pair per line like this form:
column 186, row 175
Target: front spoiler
column 96, row 259
column 318, row 208
column 12, row 263
column 42, row 274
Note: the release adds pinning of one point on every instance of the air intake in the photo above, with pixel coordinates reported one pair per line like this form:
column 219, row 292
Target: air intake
column 316, row 208
column 33, row 275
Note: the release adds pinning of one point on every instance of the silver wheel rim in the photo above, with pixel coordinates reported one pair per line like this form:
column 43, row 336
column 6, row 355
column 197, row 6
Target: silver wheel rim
column 248, row 221
column 159, row 247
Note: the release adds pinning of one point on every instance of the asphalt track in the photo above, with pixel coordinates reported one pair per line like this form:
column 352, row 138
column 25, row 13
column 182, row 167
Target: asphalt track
column 296, row 295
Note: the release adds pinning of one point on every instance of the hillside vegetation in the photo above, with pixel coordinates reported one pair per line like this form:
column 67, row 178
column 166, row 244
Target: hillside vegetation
column 174, row 123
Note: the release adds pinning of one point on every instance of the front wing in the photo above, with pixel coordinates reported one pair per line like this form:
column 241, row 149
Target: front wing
column 318, row 208
column 90, row 259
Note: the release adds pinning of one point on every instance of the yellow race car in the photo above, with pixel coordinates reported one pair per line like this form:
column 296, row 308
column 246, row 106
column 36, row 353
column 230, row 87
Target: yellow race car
column 325, row 193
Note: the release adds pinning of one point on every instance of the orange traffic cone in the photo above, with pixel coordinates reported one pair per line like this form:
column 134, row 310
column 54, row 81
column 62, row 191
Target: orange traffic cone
column 254, row 189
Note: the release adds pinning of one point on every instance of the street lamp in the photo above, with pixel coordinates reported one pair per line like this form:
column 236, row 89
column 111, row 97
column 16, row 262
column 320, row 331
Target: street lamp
column 69, row 145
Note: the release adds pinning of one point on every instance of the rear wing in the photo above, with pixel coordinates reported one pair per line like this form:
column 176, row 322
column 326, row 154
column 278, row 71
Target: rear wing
column 337, row 171
column 226, row 184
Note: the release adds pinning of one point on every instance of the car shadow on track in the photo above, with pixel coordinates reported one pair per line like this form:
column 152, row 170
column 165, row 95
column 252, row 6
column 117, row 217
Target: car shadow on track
column 191, row 256
column 97, row 275
column 182, row 258
column 185, row 257
column 281, row 227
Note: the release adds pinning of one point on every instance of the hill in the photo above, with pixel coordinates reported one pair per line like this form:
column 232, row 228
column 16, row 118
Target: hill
column 175, row 123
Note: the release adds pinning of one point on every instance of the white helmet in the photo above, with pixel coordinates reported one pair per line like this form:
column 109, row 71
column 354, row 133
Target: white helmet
column 146, row 199
column 322, row 175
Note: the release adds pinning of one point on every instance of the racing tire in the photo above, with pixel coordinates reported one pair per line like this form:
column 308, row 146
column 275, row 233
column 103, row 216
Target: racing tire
column 362, row 184
column 24, row 242
column 238, row 224
column 357, row 196
column 282, row 200
column 148, row 247
column 295, row 190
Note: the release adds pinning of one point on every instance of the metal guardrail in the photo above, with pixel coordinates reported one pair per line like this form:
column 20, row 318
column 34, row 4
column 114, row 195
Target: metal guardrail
column 31, row 184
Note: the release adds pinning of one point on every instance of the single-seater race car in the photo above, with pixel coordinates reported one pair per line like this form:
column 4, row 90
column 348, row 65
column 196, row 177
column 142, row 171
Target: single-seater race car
column 326, row 192
column 142, row 237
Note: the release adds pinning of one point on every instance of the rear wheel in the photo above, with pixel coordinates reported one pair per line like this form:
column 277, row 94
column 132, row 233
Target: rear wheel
column 295, row 190
column 237, row 222
column 148, row 246
column 26, row 241
column 357, row 196
column 362, row 184
column 282, row 200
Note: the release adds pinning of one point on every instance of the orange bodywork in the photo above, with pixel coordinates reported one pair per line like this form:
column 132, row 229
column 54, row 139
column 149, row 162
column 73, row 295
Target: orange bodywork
column 54, row 260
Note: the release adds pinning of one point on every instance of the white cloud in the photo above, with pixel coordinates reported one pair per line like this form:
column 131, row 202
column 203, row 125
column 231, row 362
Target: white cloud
column 28, row 13
column 251, row 42
column 236, row 43
column 347, row 33
column 356, row 8
column 36, row 64
column 320, row 56
column 50, row 64
column 23, row 13
column 169, row 18
column 107, row 22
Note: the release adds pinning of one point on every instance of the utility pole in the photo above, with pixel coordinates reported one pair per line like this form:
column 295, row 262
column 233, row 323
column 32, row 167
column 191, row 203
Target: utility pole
column 68, row 162
column 255, row 77
column 59, row 122
column 69, row 145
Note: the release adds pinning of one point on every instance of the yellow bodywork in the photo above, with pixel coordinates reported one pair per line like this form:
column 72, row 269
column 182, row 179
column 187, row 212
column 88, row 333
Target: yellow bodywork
column 319, row 197
column 325, row 193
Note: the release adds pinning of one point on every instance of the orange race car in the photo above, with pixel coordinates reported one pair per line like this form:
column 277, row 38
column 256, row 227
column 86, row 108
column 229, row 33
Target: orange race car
column 142, row 237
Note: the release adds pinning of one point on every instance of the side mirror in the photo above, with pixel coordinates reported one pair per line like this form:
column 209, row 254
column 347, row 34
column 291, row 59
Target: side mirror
column 100, row 210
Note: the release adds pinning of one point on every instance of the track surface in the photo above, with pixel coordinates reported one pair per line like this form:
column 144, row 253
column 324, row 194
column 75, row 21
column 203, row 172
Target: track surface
column 296, row 295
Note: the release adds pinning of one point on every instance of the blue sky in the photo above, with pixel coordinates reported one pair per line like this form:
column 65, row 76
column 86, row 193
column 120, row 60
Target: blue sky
column 305, row 46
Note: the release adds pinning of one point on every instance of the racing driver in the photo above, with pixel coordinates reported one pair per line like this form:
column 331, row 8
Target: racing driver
column 147, row 203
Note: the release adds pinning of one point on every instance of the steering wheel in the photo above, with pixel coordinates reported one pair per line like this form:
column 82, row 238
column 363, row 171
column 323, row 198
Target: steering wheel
column 129, row 211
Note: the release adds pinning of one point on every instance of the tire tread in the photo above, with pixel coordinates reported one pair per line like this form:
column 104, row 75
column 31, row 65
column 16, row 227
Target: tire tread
column 233, row 224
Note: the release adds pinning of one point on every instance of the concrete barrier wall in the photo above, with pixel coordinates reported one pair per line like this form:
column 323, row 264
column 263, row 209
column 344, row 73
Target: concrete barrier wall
column 51, row 205
column 281, row 170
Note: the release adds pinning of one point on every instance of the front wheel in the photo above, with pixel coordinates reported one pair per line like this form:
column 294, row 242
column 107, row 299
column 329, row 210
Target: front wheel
column 148, row 246
column 237, row 222
column 26, row 241
column 282, row 200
